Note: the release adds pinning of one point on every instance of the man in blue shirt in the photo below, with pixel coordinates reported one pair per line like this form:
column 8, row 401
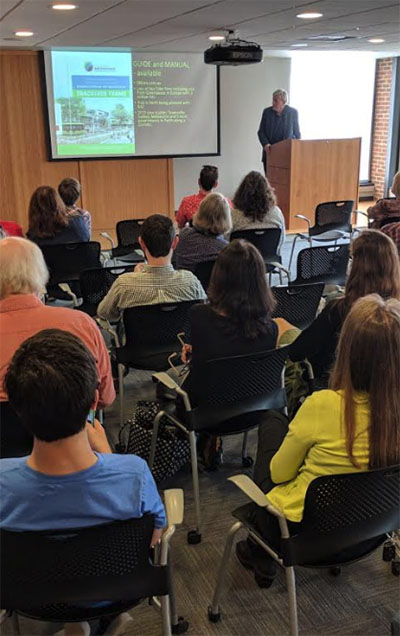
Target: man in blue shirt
column 71, row 479
column 278, row 122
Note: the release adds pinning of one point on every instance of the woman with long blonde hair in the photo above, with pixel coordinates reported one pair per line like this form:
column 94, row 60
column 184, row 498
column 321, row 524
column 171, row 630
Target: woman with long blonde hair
column 353, row 425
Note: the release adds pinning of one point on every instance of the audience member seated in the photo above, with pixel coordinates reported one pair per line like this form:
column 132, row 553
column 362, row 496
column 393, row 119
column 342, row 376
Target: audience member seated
column 11, row 229
column 374, row 269
column 208, row 181
column 254, row 206
column 23, row 277
column 70, row 191
column 380, row 213
column 350, row 427
column 156, row 281
column 393, row 231
column 237, row 319
column 204, row 240
column 71, row 479
column 49, row 221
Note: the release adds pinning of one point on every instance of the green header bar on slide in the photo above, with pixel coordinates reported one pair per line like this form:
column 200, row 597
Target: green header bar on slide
column 100, row 92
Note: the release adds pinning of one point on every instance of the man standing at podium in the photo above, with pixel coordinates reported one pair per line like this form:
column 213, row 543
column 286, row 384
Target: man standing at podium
column 278, row 122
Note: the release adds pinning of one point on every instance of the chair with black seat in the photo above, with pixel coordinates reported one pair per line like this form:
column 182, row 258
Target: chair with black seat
column 96, row 572
column 345, row 518
column 15, row 439
column 322, row 264
column 67, row 260
column 203, row 272
column 332, row 223
column 151, row 338
column 267, row 242
column 230, row 396
column 128, row 232
column 298, row 305
column 95, row 283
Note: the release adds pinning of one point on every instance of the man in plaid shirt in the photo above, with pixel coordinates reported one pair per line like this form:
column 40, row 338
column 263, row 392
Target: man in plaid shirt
column 156, row 281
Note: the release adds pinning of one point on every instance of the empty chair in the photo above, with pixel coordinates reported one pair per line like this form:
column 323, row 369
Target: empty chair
column 266, row 241
column 67, row 260
column 94, row 572
column 128, row 232
column 15, row 440
column 323, row 264
column 346, row 517
column 151, row 337
column 229, row 396
column 298, row 305
column 95, row 283
column 332, row 222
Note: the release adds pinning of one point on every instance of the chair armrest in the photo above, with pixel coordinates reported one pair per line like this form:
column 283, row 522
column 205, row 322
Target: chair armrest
column 303, row 218
column 174, row 505
column 281, row 268
column 170, row 383
column 104, row 324
column 250, row 489
column 361, row 212
column 65, row 287
column 108, row 237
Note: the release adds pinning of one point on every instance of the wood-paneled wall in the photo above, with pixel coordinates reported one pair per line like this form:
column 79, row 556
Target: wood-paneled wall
column 111, row 189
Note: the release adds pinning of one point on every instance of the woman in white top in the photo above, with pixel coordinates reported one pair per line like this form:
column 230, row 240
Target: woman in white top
column 255, row 206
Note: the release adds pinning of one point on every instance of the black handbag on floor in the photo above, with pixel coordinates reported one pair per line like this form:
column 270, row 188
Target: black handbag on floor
column 173, row 448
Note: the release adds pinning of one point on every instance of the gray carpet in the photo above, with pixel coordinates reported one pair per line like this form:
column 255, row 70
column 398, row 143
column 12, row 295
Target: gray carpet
column 359, row 602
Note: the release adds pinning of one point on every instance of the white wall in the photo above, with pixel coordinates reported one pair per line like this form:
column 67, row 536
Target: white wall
column 245, row 92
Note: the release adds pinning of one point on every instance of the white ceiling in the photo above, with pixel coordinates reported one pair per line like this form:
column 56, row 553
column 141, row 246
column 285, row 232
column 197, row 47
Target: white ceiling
column 184, row 25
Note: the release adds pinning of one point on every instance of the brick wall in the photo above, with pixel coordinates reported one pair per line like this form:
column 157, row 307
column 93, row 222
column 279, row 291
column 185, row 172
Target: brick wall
column 380, row 129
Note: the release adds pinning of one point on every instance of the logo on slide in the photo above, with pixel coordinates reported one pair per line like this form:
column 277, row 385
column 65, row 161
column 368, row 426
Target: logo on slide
column 88, row 66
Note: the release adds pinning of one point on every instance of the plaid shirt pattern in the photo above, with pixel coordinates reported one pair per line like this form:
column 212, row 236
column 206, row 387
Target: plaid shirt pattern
column 393, row 230
column 150, row 286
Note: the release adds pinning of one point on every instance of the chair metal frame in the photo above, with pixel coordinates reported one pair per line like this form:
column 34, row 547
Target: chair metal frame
column 334, row 231
column 312, row 545
column 120, row 585
column 223, row 418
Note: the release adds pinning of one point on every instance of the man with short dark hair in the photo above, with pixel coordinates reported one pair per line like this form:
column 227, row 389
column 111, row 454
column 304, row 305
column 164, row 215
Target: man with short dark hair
column 156, row 281
column 208, row 181
column 71, row 479
column 278, row 122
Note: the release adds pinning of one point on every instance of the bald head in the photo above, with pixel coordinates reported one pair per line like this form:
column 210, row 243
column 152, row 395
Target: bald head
column 22, row 267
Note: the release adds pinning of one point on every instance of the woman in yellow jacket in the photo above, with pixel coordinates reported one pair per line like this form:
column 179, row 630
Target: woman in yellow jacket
column 352, row 426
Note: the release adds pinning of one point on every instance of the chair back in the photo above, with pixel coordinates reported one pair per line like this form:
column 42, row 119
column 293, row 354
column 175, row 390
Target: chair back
column 265, row 240
column 323, row 264
column 151, row 332
column 345, row 510
column 95, row 283
column 226, row 388
column 128, row 232
column 203, row 272
column 332, row 215
column 53, row 573
column 298, row 305
column 15, row 439
column 67, row 260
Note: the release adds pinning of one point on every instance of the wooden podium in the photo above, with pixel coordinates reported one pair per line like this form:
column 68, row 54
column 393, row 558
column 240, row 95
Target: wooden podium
column 307, row 172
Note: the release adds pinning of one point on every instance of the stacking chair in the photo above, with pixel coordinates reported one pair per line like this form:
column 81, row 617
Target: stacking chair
column 266, row 241
column 323, row 264
column 67, row 260
column 230, row 397
column 151, row 338
column 128, row 232
column 66, row 575
column 332, row 222
column 95, row 283
column 203, row 272
column 15, row 439
column 298, row 305
column 345, row 518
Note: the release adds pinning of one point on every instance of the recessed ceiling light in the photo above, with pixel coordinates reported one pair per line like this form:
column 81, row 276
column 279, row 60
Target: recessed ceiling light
column 309, row 15
column 216, row 38
column 299, row 45
column 64, row 6
column 376, row 40
column 23, row 34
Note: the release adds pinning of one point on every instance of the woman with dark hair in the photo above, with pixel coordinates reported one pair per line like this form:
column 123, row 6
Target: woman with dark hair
column 49, row 222
column 255, row 206
column 375, row 268
column 352, row 426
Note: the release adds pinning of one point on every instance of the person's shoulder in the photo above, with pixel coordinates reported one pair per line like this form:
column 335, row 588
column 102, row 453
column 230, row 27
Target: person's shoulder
column 327, row 400
column 124, row 464
column 292, row 110
column 11, row 465
column 189, row 199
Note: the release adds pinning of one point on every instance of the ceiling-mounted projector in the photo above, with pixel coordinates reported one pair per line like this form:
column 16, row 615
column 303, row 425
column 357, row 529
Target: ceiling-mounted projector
column 233, row 52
